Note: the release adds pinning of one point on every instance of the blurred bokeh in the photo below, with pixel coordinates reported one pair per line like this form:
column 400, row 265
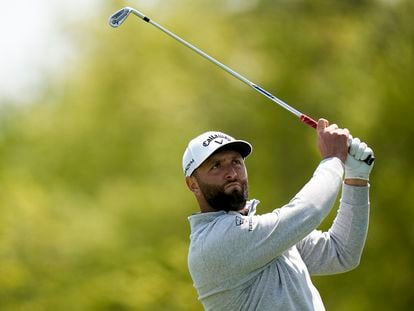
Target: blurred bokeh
column 93, row 204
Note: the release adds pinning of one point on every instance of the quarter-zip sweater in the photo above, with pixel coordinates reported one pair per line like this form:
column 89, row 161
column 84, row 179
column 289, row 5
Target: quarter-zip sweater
column 264, row 262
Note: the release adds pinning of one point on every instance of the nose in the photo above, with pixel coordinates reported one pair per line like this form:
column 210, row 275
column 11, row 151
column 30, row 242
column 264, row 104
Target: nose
column 231, row 173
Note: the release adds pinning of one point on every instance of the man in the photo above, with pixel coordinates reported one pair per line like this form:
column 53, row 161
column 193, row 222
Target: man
column 242, row 261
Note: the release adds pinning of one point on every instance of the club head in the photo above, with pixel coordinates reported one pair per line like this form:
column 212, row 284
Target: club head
column 116, row 19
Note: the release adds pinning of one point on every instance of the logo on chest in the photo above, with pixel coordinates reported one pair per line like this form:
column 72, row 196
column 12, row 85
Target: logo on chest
column 240, row 221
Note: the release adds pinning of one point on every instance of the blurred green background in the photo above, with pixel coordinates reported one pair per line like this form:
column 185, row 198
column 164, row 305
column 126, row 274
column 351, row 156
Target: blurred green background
column 93, row 204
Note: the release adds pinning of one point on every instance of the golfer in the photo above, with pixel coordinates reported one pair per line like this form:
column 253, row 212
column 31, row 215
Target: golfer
column 239, row 260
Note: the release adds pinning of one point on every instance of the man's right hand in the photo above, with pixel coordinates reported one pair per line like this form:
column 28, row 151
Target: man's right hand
column 332, row 141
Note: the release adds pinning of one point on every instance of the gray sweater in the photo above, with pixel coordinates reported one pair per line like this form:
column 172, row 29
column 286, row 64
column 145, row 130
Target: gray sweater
column 264, row 262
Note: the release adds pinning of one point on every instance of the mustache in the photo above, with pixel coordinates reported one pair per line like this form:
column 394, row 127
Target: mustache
column 228, row 184
column 240, row 182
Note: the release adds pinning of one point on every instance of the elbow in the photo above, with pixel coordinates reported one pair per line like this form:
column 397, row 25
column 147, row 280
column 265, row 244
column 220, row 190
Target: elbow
column 349, row 253
column 353, row 264
column 350, row 262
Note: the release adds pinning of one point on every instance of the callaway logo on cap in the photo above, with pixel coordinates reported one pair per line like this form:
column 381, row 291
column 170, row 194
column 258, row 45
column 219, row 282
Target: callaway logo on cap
column 204, row 145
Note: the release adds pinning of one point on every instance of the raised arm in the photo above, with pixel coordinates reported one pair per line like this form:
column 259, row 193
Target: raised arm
column 340, row 249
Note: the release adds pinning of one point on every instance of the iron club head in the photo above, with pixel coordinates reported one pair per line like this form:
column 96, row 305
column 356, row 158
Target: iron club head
column 116, row 19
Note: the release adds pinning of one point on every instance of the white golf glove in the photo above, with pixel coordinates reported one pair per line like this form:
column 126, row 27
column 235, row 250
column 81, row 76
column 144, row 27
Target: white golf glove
column 355, row 167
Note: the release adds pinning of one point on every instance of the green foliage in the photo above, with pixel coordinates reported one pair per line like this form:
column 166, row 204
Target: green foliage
column 93, row 203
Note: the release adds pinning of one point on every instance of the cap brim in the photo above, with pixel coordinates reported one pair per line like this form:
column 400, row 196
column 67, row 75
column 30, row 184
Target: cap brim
column 241, row 146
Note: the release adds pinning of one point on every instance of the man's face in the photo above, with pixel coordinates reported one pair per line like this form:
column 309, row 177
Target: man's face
column 222, row 179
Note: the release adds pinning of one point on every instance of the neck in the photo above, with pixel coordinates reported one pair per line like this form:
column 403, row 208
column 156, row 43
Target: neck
column 207, row 209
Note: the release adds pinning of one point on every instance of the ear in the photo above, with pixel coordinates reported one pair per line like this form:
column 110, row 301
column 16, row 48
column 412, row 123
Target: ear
column 192, row 184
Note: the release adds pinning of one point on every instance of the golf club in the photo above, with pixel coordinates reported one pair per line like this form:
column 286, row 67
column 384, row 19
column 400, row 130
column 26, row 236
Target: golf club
column 116, row 19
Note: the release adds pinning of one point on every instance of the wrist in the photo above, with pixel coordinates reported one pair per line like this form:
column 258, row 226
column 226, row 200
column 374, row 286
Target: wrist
column 341, row 158
column 356, row 182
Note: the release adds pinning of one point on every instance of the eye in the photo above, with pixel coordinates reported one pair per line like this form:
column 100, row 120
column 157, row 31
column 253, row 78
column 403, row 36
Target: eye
column 216, row 165
column 237, row 162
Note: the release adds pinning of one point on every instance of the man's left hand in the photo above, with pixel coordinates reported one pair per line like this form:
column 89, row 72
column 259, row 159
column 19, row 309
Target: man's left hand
column 355, row 167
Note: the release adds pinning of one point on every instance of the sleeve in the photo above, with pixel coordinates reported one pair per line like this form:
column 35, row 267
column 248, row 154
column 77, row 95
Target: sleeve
column 339, row 249
column 250, row 242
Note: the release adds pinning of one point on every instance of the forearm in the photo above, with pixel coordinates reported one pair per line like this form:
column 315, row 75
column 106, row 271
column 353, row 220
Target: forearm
column 339, row 249
column 311, row 204
column 350, row 226
column 321, row 191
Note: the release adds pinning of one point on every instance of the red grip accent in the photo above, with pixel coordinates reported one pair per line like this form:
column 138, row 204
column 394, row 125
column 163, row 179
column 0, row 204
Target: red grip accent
column 308, row 120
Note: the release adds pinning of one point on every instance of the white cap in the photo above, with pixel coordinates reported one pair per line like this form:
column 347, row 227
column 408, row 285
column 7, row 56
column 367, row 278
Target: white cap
column 204, row 145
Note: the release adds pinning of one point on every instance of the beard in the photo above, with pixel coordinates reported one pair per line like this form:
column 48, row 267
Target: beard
column 220, row 200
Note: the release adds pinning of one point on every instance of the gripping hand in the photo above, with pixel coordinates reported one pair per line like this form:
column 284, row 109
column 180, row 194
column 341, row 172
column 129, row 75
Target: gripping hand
column 355, row 168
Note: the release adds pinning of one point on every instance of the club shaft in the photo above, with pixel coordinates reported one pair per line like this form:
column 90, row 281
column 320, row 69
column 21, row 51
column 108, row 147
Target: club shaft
column 221, row 65
column 304, row 118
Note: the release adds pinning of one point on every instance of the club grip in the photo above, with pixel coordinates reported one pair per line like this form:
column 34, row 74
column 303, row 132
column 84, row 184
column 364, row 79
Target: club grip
column 369, row 160
column 308, row 120
column 311, row 122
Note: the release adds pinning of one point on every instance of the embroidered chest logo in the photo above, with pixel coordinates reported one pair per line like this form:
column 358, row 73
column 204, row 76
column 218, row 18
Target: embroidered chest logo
column 239, row 221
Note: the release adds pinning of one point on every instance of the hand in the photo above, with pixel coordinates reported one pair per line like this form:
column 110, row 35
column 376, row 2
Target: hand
column 355, row 168
column 332, row 141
